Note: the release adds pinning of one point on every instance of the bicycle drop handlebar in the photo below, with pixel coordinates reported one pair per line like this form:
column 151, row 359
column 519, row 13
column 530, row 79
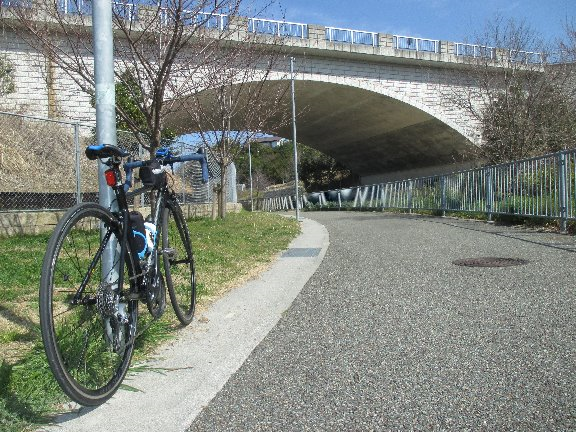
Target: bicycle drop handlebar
column 163, row 156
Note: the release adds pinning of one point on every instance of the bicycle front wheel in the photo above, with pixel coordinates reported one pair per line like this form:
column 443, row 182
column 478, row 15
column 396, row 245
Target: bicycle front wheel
column 178, row 261
column 87, row 321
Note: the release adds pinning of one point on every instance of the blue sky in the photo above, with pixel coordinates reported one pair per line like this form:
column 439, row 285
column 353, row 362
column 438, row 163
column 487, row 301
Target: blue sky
column 453, row 20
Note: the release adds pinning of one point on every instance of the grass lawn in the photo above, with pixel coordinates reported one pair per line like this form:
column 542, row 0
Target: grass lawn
column 227, row 253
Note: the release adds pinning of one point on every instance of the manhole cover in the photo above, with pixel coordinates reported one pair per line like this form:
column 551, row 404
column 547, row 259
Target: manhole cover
column 489, row 262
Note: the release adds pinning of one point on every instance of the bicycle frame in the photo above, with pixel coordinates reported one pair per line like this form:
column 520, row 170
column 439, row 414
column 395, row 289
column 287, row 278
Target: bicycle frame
column 120, row 191
column 113, row 177
column 114, row 180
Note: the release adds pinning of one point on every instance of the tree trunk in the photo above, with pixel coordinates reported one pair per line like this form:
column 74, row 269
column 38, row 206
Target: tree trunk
column 215, row 202
column 222, row 195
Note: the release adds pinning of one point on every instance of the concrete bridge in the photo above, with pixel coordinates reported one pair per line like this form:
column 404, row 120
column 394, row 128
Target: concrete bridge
column 376, row 102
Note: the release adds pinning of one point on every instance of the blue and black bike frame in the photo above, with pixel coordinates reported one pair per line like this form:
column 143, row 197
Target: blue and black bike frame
column 114, row 180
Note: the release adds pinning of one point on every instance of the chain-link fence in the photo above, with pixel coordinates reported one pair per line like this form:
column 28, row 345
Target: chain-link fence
column 43, row 167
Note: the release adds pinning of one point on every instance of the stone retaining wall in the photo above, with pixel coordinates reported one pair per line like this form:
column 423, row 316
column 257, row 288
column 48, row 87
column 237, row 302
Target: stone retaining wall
column 38, row 222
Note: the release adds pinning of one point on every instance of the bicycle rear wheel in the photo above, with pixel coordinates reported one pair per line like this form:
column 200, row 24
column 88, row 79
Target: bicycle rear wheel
column 178, row 261
column 88, row 342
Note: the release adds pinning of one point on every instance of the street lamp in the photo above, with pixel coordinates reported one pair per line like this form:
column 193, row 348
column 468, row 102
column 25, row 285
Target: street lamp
column 105, row 113
column 294, row 137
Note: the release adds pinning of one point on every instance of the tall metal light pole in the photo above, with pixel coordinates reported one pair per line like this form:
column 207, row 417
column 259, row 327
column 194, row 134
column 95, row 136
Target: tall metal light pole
column 294, row 137
column 250, row 172
column 104, row 79
column 105, row 108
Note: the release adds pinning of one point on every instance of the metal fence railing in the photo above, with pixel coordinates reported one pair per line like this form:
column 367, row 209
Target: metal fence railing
column 357, row 37
column 543, row 187
column 277, row 28
column 416, row 44
column 131, row 11
column 43, row 167
column 476, row 51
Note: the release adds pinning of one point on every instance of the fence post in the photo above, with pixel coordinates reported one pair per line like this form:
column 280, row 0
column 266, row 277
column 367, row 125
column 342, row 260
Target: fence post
column 410, row 185
column 384, row 196
column 78, row 174
column 489, row 196
column 443, row 192
column 563, row 188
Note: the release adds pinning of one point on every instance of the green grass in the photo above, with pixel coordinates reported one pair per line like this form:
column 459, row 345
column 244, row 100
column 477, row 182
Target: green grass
column 227, row 253
column 20, row 263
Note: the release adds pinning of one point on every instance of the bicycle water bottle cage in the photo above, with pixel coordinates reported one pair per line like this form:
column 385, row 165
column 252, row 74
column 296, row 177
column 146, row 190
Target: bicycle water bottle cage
column 102, row 151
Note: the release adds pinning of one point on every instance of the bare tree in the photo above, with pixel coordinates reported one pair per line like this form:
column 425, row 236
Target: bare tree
column 246, row 92
column 159, row 49
column 517, row 94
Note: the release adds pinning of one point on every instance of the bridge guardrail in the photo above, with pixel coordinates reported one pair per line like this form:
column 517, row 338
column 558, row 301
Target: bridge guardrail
column 476, row 51
column 518, row 56
column 541, row 187
column 278, row 28
column 335, row 34
column 416, row 44
column 129, row 11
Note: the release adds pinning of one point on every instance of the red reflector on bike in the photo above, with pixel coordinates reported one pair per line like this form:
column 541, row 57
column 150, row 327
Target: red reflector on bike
column 110, row 177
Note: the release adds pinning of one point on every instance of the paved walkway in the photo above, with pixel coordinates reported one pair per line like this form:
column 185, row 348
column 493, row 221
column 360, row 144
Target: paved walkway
column 390, row 335
column 387, row 334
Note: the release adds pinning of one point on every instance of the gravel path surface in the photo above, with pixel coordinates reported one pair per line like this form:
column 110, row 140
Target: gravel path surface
column 388, row 334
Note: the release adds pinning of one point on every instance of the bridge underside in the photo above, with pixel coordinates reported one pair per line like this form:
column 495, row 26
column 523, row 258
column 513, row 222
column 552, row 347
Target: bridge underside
column 369, row 133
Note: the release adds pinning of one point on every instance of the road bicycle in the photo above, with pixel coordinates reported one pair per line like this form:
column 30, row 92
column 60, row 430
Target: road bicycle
column 100, row 264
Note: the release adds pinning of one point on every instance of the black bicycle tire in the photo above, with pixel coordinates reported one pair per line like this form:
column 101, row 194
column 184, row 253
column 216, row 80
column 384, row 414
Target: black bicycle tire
column 77, row 391
column 172, row 208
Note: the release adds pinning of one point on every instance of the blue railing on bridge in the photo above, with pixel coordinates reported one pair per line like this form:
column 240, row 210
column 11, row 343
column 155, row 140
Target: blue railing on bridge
column 416, row 44
column 334, row 34
column 129, row 11
column 486, row 52
column 542, row 187
column 477, row 51
column 278, row 28
column 518, row 56
column 198, row 19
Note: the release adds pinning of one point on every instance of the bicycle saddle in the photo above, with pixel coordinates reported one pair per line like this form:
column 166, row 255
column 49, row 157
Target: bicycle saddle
column 104, row 151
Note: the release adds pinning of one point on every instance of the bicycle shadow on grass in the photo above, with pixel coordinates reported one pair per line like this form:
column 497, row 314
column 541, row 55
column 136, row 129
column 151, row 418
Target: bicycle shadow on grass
column 15, row 407
column 32, row 329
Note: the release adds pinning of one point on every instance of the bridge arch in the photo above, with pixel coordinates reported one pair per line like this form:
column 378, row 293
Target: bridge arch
column 376, row 131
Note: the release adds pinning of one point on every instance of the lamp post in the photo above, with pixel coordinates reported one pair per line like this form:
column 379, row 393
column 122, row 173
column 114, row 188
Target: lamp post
column 105, row 111
column 294, row 138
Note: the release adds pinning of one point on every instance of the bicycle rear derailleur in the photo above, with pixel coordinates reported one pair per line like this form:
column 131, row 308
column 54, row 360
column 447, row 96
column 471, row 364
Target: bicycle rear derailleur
column 115, row 316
